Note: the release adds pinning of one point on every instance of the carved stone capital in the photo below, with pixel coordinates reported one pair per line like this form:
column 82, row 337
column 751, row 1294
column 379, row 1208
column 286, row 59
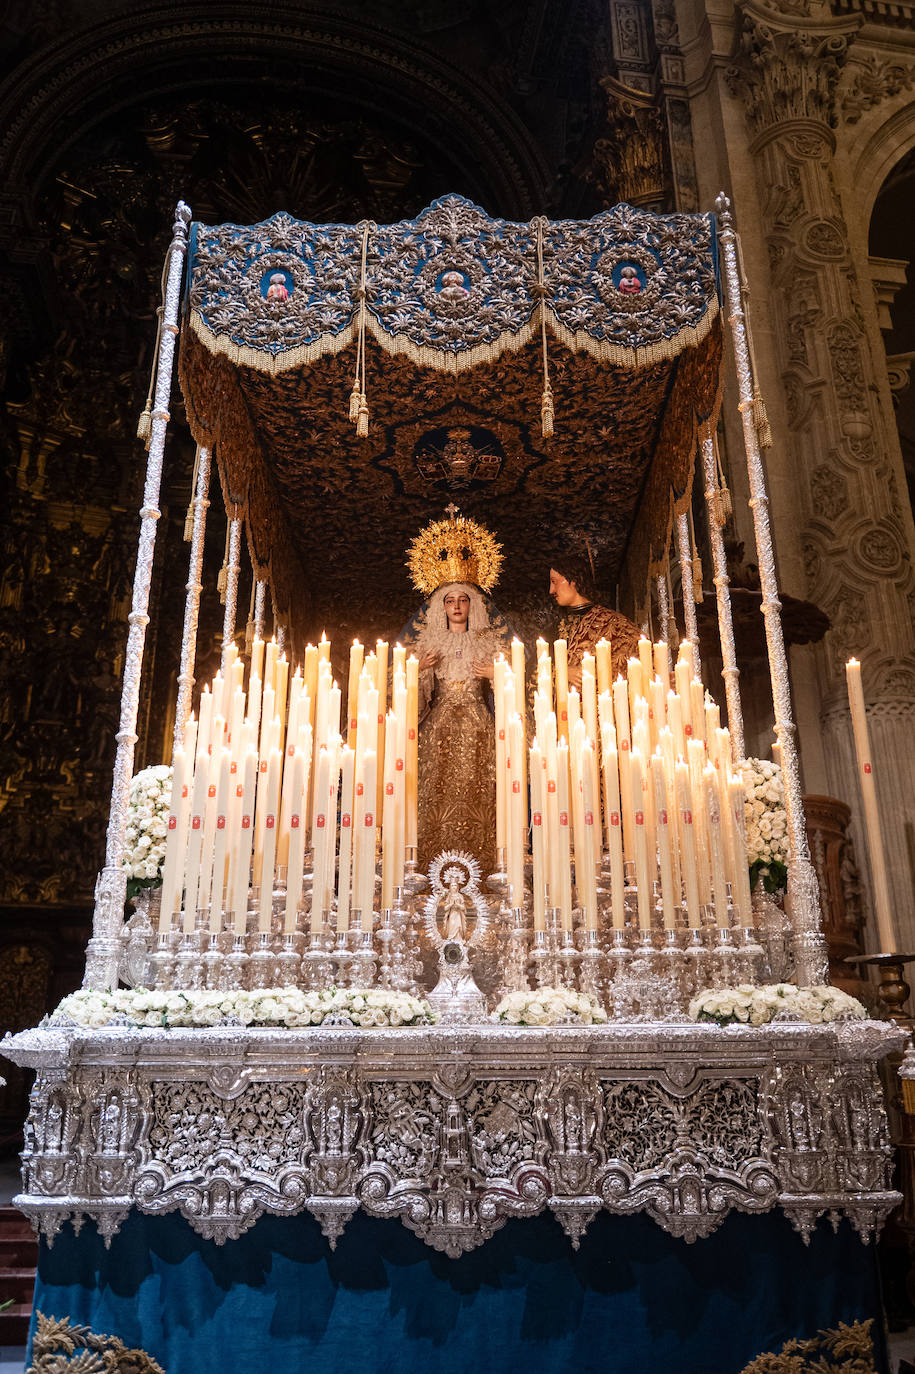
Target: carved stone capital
column 784, row 74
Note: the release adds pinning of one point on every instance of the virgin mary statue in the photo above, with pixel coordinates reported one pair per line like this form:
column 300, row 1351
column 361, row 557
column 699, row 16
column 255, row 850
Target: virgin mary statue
column 456, row 634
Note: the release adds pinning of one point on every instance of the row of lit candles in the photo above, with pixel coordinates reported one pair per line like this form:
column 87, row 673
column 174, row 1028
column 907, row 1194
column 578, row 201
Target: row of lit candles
column 263, row 772
column 638, row 769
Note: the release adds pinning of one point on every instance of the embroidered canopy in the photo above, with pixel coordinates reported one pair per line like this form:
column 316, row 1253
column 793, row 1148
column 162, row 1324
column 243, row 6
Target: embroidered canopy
column 452, row 326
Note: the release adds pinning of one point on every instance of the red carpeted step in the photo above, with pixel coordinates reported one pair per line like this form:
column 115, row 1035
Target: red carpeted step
column 14, row 1323
column 18, row 1258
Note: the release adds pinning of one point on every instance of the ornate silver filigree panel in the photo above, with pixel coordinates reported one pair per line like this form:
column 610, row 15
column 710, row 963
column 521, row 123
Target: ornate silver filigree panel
column 456, row 1130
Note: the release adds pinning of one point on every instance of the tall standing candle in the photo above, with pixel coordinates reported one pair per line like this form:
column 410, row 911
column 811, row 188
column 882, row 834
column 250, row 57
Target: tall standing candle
column 296, row 833
column 716, row 845
column 564, row 896
column 697, row 708
column 204, row 729
column 220, row 845
column 696, row 759
column 364, row 839
column 637, row 783
column 266, row 827
column 240, row 863
column 498, row 686
column 551, row 808
column 281, row 687
column 645, row 662
column 515, row 771
column 320, row 834
column 590, row 835
column 561, row 659
column 538, row 854
column 175, row 837
column 737, row 799
column 574, row 710
column 669, row 898
column 194, row 850
column 688, row 845
column 323, row 648
column 613, row 823
column 623, row 744
column 352, row 691
column 661, row 653
column 344, row 883
column 885, row 931
column 602, row 656
column 388, row 817
column 412, row 749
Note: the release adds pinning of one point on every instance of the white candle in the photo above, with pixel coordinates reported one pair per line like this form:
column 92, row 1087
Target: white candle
column 175, row 838
column 737, row 799
column 882, row 908
column 320, row 833
column 564, row 851
column 696, row 760
column 344, row 882
column 645, row 662
column 266, row 827
column 364, row 839
column 602, row 656
column 669, row 899
column 623, row 744
column 640, row 845
column 614, row 824
column 240, row 863
column 388, row 818
column 538, row 789
column 716, row 845
column 560, row 656
column 688, row 845
column 498, row 683
column 195, row 838
column 297, row 831
column 590, row 833
column 412, row 779
column 214, row 896
column 515, row 776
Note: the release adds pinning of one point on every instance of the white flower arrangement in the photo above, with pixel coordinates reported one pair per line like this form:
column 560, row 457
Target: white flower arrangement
column 767, row 824
column 289, row 1006
column 147, row 827
column 550, row 1007
column 751, row 1006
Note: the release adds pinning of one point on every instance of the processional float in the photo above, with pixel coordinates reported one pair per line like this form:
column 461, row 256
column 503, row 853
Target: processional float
column 592, row 353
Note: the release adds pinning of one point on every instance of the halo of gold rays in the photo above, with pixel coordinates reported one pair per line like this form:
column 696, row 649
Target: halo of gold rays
column 454, row 550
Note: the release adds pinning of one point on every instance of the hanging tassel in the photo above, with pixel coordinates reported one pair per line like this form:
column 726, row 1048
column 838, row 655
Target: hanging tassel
column 722, row 507
column 761, row 420
column 547, row 413
column 144, row 426
column 354, row 398
column 362, row 417
column 547, row 410
column 189, row 517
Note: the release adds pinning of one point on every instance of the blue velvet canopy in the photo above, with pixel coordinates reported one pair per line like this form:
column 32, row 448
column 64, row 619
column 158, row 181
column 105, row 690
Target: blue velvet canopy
column 454, row 333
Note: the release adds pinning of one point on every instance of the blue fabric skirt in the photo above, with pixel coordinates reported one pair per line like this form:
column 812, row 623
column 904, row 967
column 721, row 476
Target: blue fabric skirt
column 632, row 1300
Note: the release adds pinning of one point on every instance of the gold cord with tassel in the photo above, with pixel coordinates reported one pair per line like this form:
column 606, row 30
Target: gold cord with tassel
column 722, row 505
column 222, row 580
column 144, row 424
column 189, row 516
column 760, row 414
column 358, row 405
column 695, row 562
column 547, row 409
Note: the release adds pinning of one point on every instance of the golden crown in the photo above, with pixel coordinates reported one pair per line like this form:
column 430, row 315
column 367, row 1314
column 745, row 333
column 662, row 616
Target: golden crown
column 454, row 550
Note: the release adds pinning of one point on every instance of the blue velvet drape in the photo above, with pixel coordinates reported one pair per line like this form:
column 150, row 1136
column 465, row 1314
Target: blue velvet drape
column 631, row 1301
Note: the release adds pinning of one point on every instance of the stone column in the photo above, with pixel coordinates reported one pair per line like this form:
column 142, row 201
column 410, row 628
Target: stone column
column 836, row 456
